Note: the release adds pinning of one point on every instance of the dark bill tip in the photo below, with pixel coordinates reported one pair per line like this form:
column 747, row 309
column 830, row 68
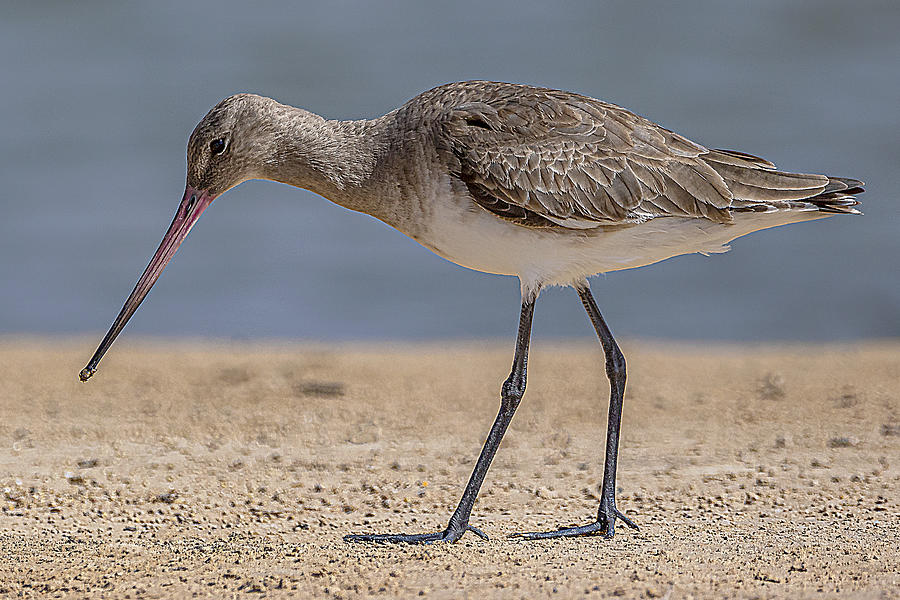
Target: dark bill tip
column 193, row 203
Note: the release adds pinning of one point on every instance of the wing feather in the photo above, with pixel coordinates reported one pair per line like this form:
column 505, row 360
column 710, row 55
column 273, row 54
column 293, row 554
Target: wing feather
column 578, row 162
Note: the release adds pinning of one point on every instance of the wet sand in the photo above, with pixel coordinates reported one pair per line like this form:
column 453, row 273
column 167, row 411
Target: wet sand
column 233, row 470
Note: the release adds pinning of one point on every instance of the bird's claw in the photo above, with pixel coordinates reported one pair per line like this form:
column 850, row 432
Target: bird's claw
column 478, row 532
column 604, row 524
column 448, row 535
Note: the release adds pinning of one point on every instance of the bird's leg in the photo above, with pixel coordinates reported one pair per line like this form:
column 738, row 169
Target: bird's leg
column 615, row 371
column 511, row 394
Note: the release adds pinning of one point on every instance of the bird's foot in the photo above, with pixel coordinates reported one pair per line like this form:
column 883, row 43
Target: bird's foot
column 448, row 535
column 605, row 524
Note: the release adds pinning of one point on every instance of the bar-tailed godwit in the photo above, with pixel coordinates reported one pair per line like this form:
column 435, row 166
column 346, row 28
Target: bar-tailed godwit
column 546, row 185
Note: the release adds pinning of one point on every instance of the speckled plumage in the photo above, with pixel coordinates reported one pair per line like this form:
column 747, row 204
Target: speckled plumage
column 580, row 162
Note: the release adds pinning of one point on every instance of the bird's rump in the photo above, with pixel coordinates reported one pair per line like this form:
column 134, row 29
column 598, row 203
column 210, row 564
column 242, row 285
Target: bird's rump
column 545, row 158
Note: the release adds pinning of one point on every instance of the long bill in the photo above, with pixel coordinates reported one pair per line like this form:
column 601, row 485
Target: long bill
column 192, row 206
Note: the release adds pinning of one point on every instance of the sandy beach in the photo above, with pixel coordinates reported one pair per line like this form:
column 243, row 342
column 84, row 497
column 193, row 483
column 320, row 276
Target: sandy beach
column 233, row 470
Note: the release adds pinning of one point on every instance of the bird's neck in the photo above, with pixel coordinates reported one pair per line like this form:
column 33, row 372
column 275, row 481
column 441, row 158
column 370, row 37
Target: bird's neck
column 335, row 159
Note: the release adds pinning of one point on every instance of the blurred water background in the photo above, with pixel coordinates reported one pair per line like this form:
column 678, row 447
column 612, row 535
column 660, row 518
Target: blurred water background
column 99, row 99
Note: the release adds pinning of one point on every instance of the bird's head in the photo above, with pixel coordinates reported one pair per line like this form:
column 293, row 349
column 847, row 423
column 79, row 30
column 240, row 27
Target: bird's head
column 230, row 144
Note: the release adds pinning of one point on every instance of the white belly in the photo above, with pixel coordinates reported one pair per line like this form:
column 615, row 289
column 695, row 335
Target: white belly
column 470, row 236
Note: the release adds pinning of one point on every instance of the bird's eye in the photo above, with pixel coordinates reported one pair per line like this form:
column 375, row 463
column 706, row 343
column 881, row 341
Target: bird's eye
column 217, row 146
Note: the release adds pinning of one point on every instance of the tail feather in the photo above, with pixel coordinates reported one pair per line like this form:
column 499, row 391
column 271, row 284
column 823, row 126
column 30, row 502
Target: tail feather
column 839, row 196
column 758, row 187
column 845, row 185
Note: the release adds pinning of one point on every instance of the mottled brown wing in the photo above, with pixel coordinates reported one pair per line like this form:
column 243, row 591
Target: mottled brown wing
column 544, row 157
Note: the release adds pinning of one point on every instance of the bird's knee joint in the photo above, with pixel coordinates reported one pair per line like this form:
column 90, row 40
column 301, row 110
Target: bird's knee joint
column 513, row 390
column 615, row 367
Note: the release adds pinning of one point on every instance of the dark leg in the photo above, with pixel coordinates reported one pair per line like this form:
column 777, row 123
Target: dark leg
column 511, row 395
column 615, row 371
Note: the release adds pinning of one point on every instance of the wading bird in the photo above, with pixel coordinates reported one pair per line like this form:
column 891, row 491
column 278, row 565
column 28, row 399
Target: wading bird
column 546, row 185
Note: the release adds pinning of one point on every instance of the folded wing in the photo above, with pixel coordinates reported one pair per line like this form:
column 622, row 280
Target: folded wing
column 546, row 158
